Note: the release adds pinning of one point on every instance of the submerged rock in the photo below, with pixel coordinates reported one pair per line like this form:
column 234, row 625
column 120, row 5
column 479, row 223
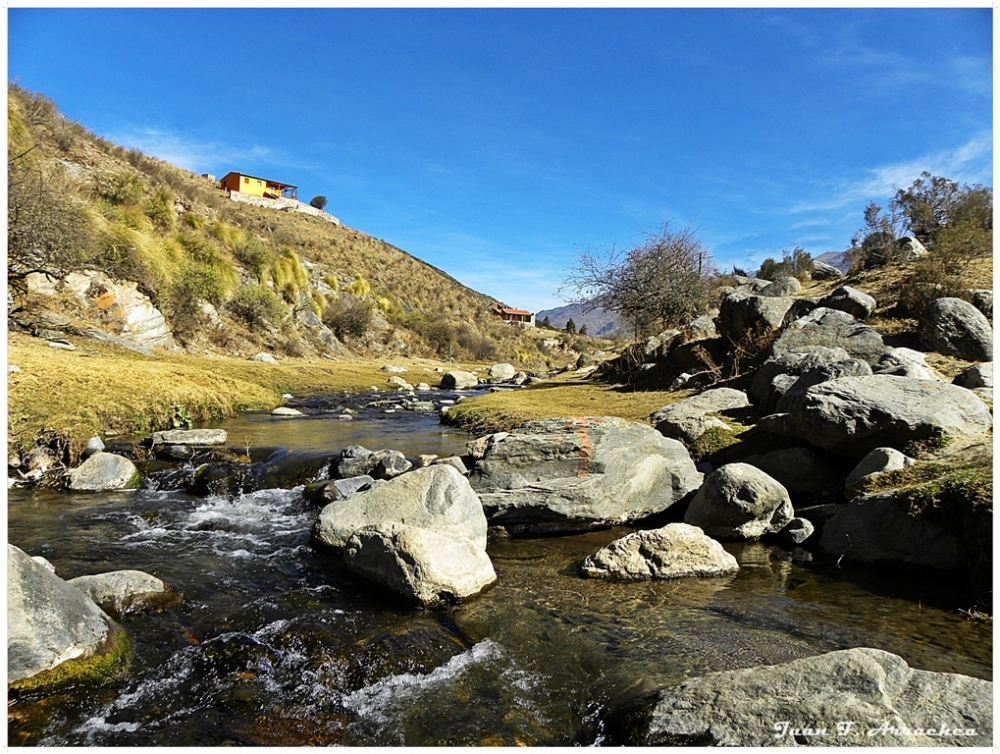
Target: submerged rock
column 103, row 472
column 672, row 552
column 853, row 697
column 580, row 473
column 121, row 592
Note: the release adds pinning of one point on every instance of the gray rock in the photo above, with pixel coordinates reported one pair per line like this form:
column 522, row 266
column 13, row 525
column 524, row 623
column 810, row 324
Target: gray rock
column 833, row 329
column 672, row 552
column 399, row 383
column 657, row 346
column 743, row 316
column 824, row 271
column 190, row 437
column 801, row 471
column 782, row 369
column 688, row 419
column 62, row 345
column 122, row 592
column 422, row 565
column 878, row 529
column 884, row 701
column 354, row 461
column 910, row 248
column 701, row 328
column 455, row 461
column 389, row 464
column 394, row 369
column 437, row 497
column 478, row 447
column 956, row 328
column 458, row 380
column 287, row 411
column 50, row 622
column 336, row 489
column 94, row 445
column 121, row 306
column 982, row 299
column 575, row 474
column 905, row 362
column 782, row 287
column 818, row 374
column 739, row 501
column 859, row 305
column 264, row 358
column 877, row 462
column 103, row 472
column 797, row 531
column 502, row 372
column 980, row 375
column 854, row 415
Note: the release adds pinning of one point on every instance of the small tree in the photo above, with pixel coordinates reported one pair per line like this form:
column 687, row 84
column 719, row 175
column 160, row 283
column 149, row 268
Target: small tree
column 318, row 201
column 547, row 322
column 583, row 329
column 570, row 325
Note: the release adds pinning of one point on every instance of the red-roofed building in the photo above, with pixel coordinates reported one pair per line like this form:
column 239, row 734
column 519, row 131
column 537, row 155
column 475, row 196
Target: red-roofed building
column 512, row 315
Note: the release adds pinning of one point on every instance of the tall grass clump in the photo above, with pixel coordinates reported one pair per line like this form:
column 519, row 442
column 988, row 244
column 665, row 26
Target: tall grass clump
column 258, row 308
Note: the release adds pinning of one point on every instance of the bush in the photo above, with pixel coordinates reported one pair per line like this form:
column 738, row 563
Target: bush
column 257, row 256
column 257, row 307
column 160, row 209
column 122, row 189
column 348, row 317
column 796, row 263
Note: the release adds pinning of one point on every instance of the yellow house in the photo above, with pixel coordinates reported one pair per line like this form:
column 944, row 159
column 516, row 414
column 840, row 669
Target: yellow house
column 251, row 184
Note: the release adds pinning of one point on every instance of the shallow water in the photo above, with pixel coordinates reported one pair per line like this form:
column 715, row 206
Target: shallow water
column 275, row 644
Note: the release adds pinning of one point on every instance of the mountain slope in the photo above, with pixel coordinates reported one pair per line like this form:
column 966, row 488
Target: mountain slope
column 600, row 323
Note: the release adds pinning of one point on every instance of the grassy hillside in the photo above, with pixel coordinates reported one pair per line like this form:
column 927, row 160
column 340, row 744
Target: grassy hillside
column 263, row 270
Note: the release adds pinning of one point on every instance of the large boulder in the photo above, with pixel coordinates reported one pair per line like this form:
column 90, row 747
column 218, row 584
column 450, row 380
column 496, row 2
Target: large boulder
column 435, row 497
column 856, row 303
column 878, row 529
column 817, row 374
column 743, row 315
column 502, row 372
column 955, row 327
column 739, row 501
column 832, row 328
column 56, row 635
column 458, row 380
column 121, row 592
column 979, row 375
column 575, row 474
column 356, row 460
column 851, row 697
column 782, row 287
column 905, row 362
column 802, row 471
column 103, row 472
column 121, row 306
column 879, row 461
column 783, row 368
column 824, row 271
column 672, row 552
column 688, row 419
column 854, row 415
column 420, row 565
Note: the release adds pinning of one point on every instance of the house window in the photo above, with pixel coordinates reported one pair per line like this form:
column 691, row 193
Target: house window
column 246, row 180
column 258, row 183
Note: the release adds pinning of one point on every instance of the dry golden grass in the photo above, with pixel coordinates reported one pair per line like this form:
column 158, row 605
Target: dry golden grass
column 565, row 395
column 70, row 396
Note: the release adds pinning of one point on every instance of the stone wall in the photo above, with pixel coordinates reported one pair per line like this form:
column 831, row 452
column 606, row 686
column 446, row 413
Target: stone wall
column 288, row 205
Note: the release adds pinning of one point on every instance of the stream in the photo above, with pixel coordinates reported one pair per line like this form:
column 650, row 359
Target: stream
column 274, row 644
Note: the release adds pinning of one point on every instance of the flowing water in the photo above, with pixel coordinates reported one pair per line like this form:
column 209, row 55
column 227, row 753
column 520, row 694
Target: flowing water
column 273, row 644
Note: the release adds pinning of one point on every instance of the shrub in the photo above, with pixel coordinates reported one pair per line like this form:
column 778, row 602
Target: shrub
column 257, row 256
column 257, row 307
column 194, row 221
column 360, row 287
column 160, row 209
column 122, row 189
column 796, row 263
column 229, row 236
column 348, row 316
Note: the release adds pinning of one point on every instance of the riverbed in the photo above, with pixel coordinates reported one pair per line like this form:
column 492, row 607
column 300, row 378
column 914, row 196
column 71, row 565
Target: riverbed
column 274, row 644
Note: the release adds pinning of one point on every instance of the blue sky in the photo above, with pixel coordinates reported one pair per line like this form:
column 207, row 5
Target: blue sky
column 498, row 144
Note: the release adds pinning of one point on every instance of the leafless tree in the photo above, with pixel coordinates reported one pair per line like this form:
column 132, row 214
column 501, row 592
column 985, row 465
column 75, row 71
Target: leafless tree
column 660, row 283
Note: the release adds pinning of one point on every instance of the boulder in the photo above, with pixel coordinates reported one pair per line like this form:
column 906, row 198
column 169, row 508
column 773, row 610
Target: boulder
column 910, row 249
column 458, row 380
column 982, row 299
column 956, row 328
column 854, row 415
column 389, row 464
column 56, row 635
column 824, row 271
column 859, row 305
column 672, row 552
column 797, row 531
column 436, row 497
column 502, row 372
column 782, row 369
column 851, row 697
column 580, row 473
column 94, row 445
column 394, row 369
column 356, row 460
column 121, row 592
column 877, row 462
column 264, row 358
column 688, row 419
column 905, row 362
column 189, row 437
column 426, row 566
column 832, row 328
column 980, row 375
column 801, row 471
column 286, row 411
column 701, row 328
column 123, row 307
column 102, row 472
column 743, row 315
column 335, row 489
column 878, row 529
column 782, row 287
column 399, row 383
column 739, row 501
column 455, row 461
column 815, row 375
column 478, row 447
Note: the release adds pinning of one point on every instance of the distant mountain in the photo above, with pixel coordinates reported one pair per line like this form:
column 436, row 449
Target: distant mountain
column 599, row 323
column 836, row 259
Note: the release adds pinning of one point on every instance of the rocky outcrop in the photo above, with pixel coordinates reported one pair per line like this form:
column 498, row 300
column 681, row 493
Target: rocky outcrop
column 877, row 529
column 854, row 415
column 102, row 472
column 122, row 306
column 833, row 329
column 852, row 697
column 739, row 501
column 122, row 592
column 435, row 497
column 672, row 552
column 956, row 328
column 420, row 565
column 575, row 474
column 743, row 315
column 56, row 635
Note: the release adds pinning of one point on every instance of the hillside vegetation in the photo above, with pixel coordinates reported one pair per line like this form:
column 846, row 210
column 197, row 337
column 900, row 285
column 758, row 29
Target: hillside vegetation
column 276, row 280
